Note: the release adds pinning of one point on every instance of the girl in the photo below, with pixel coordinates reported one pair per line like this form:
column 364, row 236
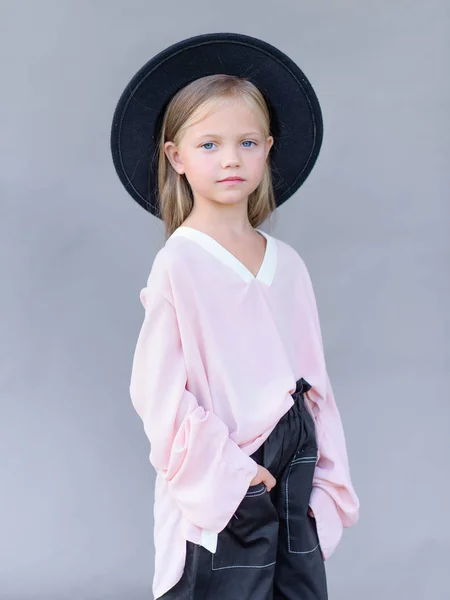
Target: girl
column 253, row 487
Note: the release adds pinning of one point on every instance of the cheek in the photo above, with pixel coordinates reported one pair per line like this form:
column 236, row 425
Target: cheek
column 256, row 164
column 199, row 170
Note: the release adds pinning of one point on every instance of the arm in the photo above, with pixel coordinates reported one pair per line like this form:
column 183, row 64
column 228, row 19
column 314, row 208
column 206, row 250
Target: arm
column 208, row 474
column 333, row 500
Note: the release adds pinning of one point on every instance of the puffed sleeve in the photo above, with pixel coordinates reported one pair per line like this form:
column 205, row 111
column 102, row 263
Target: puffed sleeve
column 333, row 500
column 207, row 473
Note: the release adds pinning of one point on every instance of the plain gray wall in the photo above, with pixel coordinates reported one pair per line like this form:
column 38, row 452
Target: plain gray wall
column 371, row 222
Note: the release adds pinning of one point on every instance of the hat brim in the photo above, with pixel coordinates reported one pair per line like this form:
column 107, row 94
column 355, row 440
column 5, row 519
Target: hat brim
column 296, row 118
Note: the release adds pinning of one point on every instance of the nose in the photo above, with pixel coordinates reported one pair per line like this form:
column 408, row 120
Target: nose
column 230, row 158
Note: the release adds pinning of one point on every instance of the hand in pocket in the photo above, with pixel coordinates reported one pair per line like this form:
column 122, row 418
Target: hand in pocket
column 264, row 476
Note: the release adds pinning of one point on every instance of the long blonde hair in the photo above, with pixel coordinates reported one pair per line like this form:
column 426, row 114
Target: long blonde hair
column 174, row 192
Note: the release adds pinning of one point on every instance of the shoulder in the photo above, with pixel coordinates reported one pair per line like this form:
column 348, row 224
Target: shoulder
column 172, row 258
column 158, row 280
column 290, row 256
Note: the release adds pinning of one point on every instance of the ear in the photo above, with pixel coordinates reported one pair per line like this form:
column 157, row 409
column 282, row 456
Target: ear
column 173, row 155
column 269, row 144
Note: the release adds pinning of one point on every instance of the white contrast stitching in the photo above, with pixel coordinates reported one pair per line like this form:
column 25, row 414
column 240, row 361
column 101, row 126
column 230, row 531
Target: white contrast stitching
column 258, row 493
column 295, row 461
column 305, row 457
column 253, row 494
column 306, row 551
column 303, row 460
column 238, row 566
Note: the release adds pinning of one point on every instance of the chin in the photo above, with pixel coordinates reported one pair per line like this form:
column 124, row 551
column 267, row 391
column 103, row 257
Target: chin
column 232, row 199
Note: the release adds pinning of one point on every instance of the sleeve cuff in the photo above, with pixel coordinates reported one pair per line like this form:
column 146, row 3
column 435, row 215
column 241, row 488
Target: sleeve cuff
column 328, row 521
column 231, row 487
column 248, row 469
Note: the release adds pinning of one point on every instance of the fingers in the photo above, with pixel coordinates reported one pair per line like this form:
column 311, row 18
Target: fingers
column 264, row 476
column 269, row 480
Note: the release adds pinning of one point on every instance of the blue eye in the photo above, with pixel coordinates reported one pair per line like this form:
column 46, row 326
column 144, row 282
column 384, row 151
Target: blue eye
column 209, row 145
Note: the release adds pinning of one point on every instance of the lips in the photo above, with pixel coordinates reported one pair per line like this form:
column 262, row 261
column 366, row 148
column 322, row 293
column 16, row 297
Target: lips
column 231, row 179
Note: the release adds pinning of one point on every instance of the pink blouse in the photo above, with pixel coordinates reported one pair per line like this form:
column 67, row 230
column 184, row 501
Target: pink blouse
column 217, row 358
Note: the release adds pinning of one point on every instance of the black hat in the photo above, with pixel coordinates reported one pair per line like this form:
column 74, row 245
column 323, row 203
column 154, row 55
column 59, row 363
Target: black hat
column 296, row 119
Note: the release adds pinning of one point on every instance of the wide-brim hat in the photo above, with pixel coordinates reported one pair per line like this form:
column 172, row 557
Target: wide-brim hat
column 296, row 119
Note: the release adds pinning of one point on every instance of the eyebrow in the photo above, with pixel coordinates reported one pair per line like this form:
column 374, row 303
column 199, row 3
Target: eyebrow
column 214, row 135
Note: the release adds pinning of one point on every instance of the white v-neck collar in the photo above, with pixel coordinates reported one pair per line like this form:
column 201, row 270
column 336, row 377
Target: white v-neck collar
column 267, row 269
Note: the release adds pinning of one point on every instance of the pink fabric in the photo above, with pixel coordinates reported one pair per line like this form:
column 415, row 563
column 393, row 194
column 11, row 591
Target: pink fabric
column 217, row 358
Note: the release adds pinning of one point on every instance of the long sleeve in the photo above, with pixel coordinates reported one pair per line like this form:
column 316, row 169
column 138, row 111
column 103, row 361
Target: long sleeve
column 333, row 499
column 207, row 473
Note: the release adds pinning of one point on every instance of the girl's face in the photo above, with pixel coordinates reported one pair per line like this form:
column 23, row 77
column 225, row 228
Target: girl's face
column 227, row 142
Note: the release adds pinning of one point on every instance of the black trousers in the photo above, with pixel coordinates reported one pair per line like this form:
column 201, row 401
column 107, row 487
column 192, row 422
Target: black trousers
column 270, row 549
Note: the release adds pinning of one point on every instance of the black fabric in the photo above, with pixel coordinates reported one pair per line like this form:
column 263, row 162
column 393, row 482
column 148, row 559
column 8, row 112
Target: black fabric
column 296, row 118
column 270, row 548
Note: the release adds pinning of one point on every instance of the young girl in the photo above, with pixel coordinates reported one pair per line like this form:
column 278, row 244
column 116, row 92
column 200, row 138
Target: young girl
column 253, row 487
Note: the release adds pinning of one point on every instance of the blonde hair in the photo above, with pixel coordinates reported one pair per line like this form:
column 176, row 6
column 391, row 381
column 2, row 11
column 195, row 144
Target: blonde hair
column 174, row 192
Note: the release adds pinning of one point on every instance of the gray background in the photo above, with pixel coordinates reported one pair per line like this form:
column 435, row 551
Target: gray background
column 371, row 222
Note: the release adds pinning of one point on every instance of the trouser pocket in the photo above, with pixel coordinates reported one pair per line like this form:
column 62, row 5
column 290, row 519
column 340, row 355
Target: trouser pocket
column 301, row 527
column 250, row 538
